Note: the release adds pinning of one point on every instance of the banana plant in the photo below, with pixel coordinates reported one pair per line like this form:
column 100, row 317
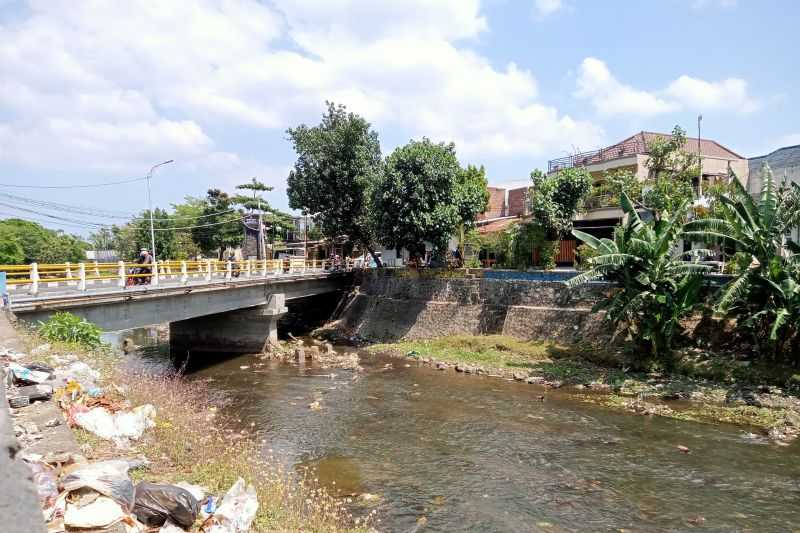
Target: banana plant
column 657, row 284
column 762, row 296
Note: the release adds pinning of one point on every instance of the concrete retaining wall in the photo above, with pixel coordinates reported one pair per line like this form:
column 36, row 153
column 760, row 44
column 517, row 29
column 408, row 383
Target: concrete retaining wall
column 391, row 306
column 19, row 505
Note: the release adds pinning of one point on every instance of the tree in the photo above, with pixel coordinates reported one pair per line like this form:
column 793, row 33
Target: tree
column 102, row 239
column 256, row 202
column 557, row 197
column 423, row 196
column 670, row 171
column 472, row 196
column 763, row 296
column 39, row 244
column 656, row 286
column 220, row 224
column 11, row 251
column 185, row 216
column 338, row 161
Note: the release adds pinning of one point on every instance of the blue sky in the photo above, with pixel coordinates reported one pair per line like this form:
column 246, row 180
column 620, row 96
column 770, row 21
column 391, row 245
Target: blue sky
column 98, row 91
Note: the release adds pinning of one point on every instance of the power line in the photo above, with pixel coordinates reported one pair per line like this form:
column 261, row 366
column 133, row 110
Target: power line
column 55, row 217
column 81, row 186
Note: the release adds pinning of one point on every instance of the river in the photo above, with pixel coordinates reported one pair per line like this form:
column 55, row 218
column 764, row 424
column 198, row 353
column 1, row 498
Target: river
column 473, row 453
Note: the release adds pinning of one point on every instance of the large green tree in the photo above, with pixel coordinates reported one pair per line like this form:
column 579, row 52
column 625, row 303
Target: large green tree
column 11, row 251
column 424, row 195
column 556, row 198
column 338, row 161
column 219, row 225
column 39, row 244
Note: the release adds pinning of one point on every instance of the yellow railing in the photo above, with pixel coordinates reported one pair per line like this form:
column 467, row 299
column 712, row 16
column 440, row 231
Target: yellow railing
column 124, row 274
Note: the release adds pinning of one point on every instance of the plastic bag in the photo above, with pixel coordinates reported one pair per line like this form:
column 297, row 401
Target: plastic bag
column 100, row 513
column 30, row 374
column 44, row 478
column 118, row 427
column 106, row 477
column 237, row 510
column 157, row 503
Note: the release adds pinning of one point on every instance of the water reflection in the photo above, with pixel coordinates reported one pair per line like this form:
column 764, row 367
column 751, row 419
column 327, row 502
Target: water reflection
column 477, row 454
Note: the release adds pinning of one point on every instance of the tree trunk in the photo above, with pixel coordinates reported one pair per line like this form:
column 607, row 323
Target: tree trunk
column 377, row 259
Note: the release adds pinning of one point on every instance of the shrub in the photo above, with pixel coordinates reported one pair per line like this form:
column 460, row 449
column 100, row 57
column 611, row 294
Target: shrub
column 66, row 327
column 583, row 255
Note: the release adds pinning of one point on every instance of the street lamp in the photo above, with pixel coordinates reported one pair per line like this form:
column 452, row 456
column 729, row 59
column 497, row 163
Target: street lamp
column 150, row 206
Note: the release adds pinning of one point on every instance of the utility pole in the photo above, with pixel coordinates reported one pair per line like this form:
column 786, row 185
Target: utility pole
column 305, row 237
column 150, row 206
column 699, row 161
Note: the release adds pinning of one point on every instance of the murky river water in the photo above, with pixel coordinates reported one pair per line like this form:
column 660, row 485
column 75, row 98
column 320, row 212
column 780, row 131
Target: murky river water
column 480, row 454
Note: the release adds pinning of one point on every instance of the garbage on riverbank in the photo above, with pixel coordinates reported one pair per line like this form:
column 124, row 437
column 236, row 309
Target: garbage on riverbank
column 321, row 354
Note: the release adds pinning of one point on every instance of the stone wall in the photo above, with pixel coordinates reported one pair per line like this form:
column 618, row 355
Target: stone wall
column 399, row 305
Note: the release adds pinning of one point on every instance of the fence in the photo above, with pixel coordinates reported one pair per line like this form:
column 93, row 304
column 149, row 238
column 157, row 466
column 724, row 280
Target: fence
column 31, row 278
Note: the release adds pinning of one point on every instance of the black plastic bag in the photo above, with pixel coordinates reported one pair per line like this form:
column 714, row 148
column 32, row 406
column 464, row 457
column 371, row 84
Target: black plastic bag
column 155, row 503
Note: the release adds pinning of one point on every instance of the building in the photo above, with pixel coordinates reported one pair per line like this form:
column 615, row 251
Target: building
column 785, row 165
column 631, row 154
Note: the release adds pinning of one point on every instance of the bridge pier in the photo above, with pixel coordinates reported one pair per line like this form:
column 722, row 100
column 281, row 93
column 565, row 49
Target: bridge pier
column 240, row 331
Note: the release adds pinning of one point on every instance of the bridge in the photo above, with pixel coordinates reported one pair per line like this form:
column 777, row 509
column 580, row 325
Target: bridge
column 214, row 304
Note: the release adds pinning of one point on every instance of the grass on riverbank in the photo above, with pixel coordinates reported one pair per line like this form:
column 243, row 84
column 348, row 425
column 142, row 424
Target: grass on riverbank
column 605, row 370
column 193, row 441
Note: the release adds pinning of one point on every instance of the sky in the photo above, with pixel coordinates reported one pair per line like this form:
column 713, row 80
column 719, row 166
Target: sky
column 93, row 91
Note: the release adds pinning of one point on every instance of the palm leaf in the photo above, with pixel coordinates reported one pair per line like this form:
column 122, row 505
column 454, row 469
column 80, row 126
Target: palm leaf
column 780, row 319
column 732, row 292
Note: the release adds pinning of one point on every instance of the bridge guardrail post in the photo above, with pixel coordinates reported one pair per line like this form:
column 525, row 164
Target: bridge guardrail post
column 121, row 276
column 82, row 277
column 228, row 270
column 208, row 269
column 96, row 269
column 184, row 273
column 69, row 271
column 247, row 268
column 264, row 268
column 154, row 274
column 34, row 289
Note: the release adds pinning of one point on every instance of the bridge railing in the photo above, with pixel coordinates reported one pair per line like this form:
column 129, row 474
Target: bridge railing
column 81, row 276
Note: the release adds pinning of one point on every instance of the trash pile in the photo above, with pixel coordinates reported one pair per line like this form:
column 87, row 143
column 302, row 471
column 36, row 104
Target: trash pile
column 322, row 354
column 78, row 495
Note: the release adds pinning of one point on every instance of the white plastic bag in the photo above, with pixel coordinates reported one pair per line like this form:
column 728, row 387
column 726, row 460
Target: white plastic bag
column 100, row 513
column 109, row 478
column 118, row 427
column 237, row 510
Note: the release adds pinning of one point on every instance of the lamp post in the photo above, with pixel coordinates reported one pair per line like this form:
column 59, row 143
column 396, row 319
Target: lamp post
column 699, row 161
column 150, row 206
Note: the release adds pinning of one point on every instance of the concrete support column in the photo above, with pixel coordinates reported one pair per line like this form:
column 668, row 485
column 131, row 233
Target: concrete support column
column 121, row 274
column 184, row 273
column 208, row 269
column 154, row 278
column 244, row 331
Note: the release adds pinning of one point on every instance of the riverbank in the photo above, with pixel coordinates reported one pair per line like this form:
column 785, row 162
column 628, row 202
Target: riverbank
column 707, row 387
column 194, row 441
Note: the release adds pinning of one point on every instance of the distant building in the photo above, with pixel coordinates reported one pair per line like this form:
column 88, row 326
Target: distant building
column 785, row 165
column 632, row 154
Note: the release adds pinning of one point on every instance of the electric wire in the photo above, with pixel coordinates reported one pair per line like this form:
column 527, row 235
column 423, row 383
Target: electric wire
column 80, row 186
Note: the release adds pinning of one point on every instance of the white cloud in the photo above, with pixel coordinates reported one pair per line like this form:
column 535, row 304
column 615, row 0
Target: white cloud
column 609, row 96
column 699, row 95
column 547, row 7
column 112, row 84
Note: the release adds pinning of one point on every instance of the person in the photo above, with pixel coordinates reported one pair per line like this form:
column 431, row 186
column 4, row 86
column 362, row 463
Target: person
column 234, row 265
column 145, row 271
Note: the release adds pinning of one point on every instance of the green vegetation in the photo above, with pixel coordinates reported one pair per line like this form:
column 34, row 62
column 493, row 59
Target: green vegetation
column 657, row 285
column 338, row 162
column 765, row 295
column 66, row 327
column 22, row 241
column 557, row 197
column 496, row 351
column 425, row 196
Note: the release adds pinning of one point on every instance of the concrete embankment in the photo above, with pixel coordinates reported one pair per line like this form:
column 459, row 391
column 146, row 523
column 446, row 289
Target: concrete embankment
column 392, row 305
column 19, row 504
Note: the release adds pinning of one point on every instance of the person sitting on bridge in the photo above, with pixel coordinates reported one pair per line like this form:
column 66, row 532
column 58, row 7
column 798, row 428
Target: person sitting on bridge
column 145, row 271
